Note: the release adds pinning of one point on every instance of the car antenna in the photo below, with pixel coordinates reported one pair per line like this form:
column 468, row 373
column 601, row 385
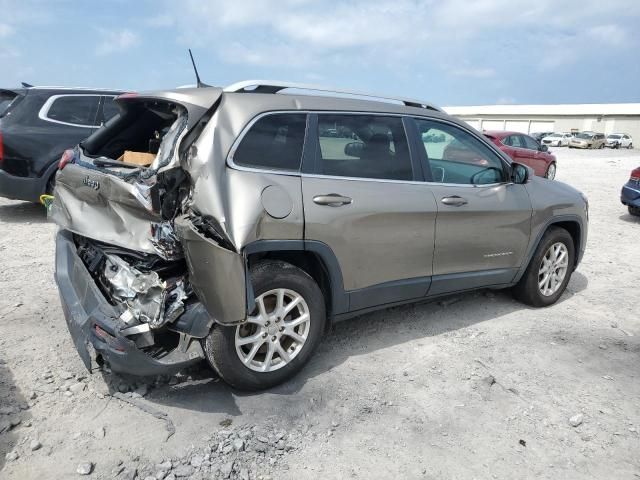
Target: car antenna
column 195, row 69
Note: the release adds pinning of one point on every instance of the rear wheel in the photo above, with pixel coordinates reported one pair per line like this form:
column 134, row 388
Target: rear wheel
column 551, row 171
column 278, row 337
column 549, row 270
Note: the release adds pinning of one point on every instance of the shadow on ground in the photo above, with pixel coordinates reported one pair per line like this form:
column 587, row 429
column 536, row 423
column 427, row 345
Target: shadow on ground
column 359, row 336
column 627, row 217
column 13, row 413
column 23, row 212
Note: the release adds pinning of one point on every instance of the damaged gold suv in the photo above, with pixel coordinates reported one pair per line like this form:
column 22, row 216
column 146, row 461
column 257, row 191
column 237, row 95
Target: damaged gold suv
column 234, row 225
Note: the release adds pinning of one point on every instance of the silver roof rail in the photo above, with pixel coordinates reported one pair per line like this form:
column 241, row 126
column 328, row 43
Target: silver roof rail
column 273, row 86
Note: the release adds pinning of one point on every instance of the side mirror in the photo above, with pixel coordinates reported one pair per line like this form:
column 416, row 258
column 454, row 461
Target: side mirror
column 519, row 173
column 544, row 148
column 354, row 149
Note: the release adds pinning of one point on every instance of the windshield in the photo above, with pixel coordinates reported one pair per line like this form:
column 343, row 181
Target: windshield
column 615, row 136
column 555, row 135
column 584, row 135
column 6, row 99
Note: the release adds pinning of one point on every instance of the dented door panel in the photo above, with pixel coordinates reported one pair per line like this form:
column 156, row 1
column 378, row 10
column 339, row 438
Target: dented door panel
column 217, row 274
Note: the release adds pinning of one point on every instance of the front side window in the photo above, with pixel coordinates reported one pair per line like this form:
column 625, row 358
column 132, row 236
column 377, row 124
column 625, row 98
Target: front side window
column 74, row 109
column 363, row 146
column 530, row 143
column 274, row 142
column 460, row 157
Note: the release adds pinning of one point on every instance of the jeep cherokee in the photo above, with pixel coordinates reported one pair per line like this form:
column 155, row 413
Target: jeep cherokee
column 270, row 211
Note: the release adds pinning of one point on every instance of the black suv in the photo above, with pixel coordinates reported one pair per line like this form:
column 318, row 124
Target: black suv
column 36, row 125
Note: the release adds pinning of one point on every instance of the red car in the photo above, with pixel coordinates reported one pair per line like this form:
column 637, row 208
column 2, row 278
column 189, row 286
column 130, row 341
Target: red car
column 526, row 150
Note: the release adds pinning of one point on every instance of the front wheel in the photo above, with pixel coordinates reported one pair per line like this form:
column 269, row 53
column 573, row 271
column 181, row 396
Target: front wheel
column 549, row 270
column 630, row 146
column 635, row 211
column 278, row 337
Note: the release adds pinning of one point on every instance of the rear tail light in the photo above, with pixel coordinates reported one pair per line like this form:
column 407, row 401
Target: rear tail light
column 67, row 157
column 635, row 175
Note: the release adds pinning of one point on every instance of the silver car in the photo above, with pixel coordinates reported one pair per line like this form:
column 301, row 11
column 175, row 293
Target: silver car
column 265, row 216
column 588, row 140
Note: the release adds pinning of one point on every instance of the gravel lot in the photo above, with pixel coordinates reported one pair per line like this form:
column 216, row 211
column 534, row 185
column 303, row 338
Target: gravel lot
column 474, row 386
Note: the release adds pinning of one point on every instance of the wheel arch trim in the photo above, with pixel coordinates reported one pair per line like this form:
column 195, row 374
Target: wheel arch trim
column 339, row 297
column 578, row 242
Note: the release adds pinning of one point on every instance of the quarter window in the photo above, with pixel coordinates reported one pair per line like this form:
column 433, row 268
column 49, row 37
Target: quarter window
column 109, row 109
column 274, row 142
column 74, row 109
column 456, row 156
column 363, row 146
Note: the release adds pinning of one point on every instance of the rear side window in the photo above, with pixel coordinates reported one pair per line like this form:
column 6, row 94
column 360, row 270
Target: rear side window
column 6, row 100
column 363, row 146
column 78, row 110
column 530, row 143
column 514, row 141
column 274, row 142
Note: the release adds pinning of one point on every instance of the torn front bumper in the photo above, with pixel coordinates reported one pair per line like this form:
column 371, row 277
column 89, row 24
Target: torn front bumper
column 95, row 326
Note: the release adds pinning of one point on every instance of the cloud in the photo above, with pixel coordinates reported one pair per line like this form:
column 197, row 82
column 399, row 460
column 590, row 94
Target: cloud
column 477, row 72
column 610, row 34
column 382, row 33
column 161, row 20
column 116, row 41
column 5, row 30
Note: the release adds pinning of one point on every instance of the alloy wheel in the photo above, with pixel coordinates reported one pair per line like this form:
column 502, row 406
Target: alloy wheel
column 553, row 269
column 276, row 332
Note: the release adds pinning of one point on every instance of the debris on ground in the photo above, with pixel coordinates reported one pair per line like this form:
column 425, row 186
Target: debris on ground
column 576, row 420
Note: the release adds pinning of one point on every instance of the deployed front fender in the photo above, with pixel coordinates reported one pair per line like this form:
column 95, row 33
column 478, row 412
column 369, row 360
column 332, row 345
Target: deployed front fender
column 217, row 274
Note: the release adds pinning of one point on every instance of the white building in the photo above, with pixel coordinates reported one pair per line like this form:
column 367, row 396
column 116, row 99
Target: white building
column 604, row 118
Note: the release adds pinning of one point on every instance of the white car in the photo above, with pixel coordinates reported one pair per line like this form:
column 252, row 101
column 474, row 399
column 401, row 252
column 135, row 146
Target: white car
column 557, row 139
column 619, row 140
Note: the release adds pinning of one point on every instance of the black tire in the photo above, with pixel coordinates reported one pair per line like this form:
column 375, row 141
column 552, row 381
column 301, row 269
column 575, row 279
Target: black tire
column 546, row 174
column 219, row 345
column 527, row 290
column 635, row 211
column 630, row 146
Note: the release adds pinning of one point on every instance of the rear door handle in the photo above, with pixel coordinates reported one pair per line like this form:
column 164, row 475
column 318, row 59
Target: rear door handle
column 332, row 200
column 454, row 201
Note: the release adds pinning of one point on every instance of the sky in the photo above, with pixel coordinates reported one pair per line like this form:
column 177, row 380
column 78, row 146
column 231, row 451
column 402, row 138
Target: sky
column 449, row 52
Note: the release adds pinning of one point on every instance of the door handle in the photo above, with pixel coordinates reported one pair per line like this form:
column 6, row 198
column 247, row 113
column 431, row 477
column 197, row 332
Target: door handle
column 332, row 200
column 454, row 201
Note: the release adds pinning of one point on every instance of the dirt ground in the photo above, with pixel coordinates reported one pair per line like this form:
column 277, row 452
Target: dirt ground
column 474, row 386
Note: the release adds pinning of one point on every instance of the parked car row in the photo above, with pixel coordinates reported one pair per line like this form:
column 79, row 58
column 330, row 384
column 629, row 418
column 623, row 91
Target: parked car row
column 586, row 139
